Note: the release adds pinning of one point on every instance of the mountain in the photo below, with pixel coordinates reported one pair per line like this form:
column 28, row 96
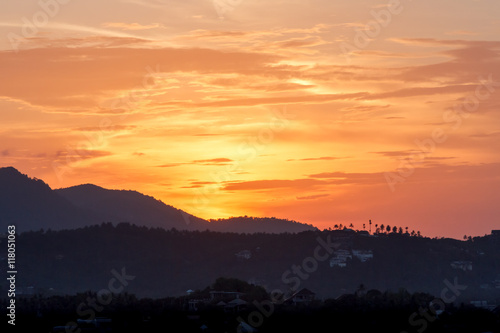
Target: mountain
column 31, row 204
column 258, row 224
column 130, row 206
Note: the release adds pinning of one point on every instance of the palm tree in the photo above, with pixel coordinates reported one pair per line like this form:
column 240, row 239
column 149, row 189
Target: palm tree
column 400, row 230
column 370, row 221
column 364, row 226
column 382, row 227
column 388, row 228
column 395, row 229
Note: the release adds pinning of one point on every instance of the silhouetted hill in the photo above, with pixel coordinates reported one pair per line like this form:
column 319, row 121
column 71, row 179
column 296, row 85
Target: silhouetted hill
column 130, row 206
column 31, row 204
column 168, row 263
column 258, row 224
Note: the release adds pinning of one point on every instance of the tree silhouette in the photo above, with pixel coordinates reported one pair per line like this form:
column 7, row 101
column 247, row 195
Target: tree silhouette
column 388, row 228
column 395, row 229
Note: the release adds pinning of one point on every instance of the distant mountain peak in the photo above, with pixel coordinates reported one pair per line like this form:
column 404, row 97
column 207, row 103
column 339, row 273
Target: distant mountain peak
column 86, row 186
column 12, row 172
column 32, row 204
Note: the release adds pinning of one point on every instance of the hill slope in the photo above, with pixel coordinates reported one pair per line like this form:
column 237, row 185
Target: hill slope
column 31, row 204
column 167, row 263
column 130, row 206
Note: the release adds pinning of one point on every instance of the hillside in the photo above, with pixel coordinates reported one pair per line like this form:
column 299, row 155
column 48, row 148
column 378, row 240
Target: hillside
column 130, row 206
column 167, row 263
column 31, row 204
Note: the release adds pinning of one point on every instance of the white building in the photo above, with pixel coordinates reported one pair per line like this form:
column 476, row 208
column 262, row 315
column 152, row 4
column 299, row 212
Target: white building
column 463, row 265
column 339, row 258
column 245, row 254
column 363, row 255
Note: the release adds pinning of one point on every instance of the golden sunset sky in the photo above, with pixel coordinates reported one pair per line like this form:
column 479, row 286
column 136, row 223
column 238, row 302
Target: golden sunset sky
column 320, row 111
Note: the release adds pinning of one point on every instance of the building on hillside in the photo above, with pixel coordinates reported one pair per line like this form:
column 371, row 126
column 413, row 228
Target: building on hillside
column 363, row 255
column 463, row 265
column 496, row 282
column 220, row 295
column 304, row 296
column 338, row 262
column 339, row 258
column 483, row 305
column 245, row 254
column 235, row 305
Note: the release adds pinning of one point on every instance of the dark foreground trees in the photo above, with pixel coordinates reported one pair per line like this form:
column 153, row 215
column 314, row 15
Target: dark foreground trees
column 357, row 312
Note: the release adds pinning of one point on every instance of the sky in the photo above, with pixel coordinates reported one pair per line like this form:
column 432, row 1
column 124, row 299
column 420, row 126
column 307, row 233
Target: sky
column 319, row 111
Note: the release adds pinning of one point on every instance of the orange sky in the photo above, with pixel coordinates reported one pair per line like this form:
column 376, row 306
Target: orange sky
column 320, row 111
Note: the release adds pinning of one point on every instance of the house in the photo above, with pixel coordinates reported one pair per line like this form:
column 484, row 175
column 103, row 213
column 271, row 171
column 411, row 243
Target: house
column 98, row 324
column 235, row 305
column 245, row 328
column 338, row 262
column 340, row 257
column 245, row 254
column 496, row 282
column 483, row 305
column 304, row 296
column 193, row 304
column 363, row 255
column 218, row 295
column 463, row 265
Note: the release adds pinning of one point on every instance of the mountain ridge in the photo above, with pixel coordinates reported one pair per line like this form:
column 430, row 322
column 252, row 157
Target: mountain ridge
column 32, row 204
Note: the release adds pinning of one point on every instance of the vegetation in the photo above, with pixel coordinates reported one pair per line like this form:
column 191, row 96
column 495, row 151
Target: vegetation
column 371, row 310
column 170, row 262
